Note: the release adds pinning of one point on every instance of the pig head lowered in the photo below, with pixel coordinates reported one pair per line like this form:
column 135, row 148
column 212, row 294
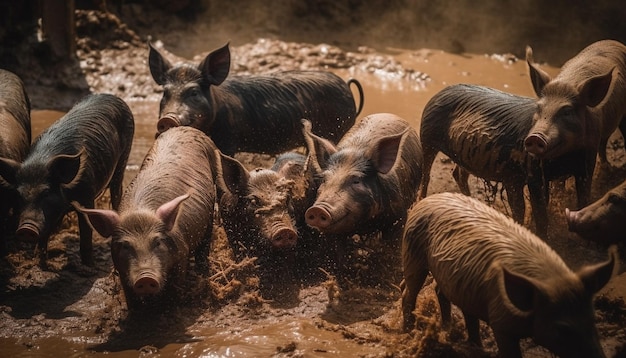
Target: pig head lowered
column 74, row 159
column 603, row 221
column 166, row 215
column 497, row 271
column 483, row 131
column 259, row 114
column 15, row 138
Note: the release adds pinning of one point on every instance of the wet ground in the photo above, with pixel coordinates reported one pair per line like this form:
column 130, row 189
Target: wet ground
column 73, row 310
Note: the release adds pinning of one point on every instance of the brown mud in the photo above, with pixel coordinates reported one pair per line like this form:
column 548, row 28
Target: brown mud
column 73, row 310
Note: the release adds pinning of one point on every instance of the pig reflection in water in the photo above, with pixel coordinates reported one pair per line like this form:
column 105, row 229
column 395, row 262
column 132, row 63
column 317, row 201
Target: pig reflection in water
column 165, row 217
column 497, row 271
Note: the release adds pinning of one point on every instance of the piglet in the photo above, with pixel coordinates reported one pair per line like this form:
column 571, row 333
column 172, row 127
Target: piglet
column 75, row 159
column 497, row 271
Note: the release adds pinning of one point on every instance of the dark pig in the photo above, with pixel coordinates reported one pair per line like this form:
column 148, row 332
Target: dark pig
column 496, row 271
column 258, row 114
column 603, row 221
column 75, row 159
column 368, row 181
column 582, row 106
column 15, row 138
column 483, row 131
column 165, row 217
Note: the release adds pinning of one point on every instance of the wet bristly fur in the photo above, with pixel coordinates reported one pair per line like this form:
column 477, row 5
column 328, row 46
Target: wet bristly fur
column 470, row 247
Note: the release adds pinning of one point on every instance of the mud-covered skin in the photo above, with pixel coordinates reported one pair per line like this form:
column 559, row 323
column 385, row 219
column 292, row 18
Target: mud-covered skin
column 368, row 181
column 15, row 138
column 580, row 108
column 166, row 217
column 259, row 114
column 497, row 271
column 483, row 131
column 602, row 221
column 75, row 159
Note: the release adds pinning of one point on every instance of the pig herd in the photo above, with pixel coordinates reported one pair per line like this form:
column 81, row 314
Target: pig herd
column 353, row 178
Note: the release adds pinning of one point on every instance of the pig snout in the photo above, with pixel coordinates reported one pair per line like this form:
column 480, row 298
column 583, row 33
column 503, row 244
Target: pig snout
column 166, row 122
column 28, row 231
column 284, row 238
column 318, row 217
column 536, row 144
column 146, row 285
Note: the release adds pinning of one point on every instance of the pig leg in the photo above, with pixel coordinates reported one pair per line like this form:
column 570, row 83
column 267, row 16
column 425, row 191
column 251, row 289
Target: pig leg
column 85, row 232
column 508, row 344
column 201, row 254
column 429, row 158
column 445, row 307
column 461, row 176
column 472, row 325
column 515, row 196
column 413, row 282
column 116, row 184
column 583, row 180
column 537, row 189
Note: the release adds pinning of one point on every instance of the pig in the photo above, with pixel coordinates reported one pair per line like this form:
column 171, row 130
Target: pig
column 368, row 181
column 603, row 221
column 582, row 106
column 259, row 114
column 75, row 159
column 164, row 219
column 497, row 271
column 15, row 139
column 483, row 131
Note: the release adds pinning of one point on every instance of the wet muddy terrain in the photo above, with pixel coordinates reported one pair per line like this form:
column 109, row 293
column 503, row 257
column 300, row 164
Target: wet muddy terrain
column 74, row 310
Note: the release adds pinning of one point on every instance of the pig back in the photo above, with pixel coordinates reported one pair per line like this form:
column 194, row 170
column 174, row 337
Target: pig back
column 461, row 239
column 181, row 161
column 480, row 128
column 15, row 136
column 399, row 186
column 103, row 126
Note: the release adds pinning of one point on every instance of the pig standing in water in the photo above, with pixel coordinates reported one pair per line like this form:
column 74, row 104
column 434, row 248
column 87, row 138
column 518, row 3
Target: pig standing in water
column 483, row 131
column 369, row 180
column 74, row 159
column 15, row 138
column 165, row 217
column 603, row 221
column 579, row 109
column 497, row 271
column 259, row 114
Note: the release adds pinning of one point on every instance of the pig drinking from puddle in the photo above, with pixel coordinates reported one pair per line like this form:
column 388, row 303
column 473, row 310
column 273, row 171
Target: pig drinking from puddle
column 75, row 159
column 368, row 181
column 15, row 138
column 165, row 218
column 259, row 114
column 495, row 270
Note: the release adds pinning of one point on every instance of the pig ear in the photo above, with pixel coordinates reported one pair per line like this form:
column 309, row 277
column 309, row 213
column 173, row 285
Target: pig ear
column 594, row 277
column 67, row 169
column 216, row 65
column 538, row 77
column 518, row 292
column 103, row 221
column 386, row 153
column 158, row 65
column 8, row 171
column 593, row 91
column 169, row 211
column 231, row 180
column 319, row 149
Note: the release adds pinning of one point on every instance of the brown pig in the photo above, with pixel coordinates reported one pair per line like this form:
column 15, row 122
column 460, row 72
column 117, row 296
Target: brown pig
column 15, row 138
column 75, row 159
column 368, row 181
column 259, row 114
column 603, row 221
column 580, row 108
column 165, row 217
column 497, row 271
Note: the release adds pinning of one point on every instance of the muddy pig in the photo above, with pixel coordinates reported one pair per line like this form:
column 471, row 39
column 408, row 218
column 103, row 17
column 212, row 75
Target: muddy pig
column 259, row 114
column 603, row 221
column 582, row 106
column 495, row 270
column 75, row 159
column 483, row 131
column 368, row 181
column 165, row 217
column 15, row 139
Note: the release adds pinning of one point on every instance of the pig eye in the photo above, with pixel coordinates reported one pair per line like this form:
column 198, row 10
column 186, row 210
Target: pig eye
column 567, row 111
